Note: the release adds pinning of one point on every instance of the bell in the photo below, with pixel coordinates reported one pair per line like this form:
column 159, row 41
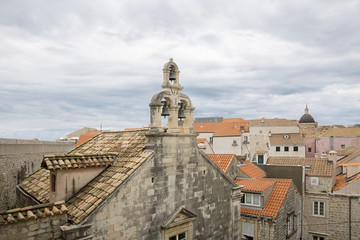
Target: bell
column 165, row 111
column 172, row 75
column 181, row 114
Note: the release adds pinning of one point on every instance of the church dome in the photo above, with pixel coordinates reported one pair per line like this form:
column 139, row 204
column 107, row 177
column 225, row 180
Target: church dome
column 306, row 118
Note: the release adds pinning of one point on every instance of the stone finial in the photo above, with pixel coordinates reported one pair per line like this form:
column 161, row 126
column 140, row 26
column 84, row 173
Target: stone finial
column 306, row 110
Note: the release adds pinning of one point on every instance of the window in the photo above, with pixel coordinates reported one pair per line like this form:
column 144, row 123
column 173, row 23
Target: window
column 260, row 159
column 318, row 238
column 296, row 148
column 53, row 182
column 290, row 223
column 314, row 181
column 309, row 149
column 246, row 139
column 181, row 236
column 342, row 146
column 211, row 139
column 252, row 199
column 318, row 208
column 278, row 149
column 286, row 149
column 234, row 143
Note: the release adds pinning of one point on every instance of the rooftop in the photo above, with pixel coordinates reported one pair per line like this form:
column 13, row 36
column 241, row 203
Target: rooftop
column 72, row 161
column 227, row 127
column 86, row 136
column 342, row 132
column 276, row 199
column 289, row 138
column 130, row 148
column 38, row 185
column 320, row 167
column 222, row 160
column 275, row 122
column 251, row 170
column 349, row 154
column 342, row 181
column 32, row 212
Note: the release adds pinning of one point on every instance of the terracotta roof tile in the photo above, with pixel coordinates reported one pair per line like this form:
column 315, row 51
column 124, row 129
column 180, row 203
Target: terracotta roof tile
column 32, row 212
column 255, row 186
column 342, row 181
column 349, row 153
column 129, row 145
column 222, row 160
column 320, row 167
column 276, row 199
column 342, row 132
column 66, row 161
column 272, row 122
column 228, row 127
column 85, row 137
column 282, row 139
column 251, row 170
column 350, row 164
column 38, row 185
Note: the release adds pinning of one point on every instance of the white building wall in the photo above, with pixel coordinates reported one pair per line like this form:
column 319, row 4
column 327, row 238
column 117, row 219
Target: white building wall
column 290, row 153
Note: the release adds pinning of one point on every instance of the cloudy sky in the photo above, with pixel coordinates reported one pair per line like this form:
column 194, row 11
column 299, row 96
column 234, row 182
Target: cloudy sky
column 70, row 64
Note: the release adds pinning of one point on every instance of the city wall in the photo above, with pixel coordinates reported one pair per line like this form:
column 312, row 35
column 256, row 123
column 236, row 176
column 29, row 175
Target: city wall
column 18, row 159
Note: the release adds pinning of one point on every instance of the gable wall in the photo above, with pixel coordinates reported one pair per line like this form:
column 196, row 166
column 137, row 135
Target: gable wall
column 292, row 203
column 177, row 176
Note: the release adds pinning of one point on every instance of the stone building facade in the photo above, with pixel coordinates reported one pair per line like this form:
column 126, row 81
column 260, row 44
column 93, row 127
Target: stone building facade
column 340, row 218
column 20, row 158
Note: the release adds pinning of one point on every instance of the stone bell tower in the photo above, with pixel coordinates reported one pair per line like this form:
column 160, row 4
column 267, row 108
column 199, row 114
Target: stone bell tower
column 171, row 103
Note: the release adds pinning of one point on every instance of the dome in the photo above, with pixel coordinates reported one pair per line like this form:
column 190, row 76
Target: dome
column 306, row 118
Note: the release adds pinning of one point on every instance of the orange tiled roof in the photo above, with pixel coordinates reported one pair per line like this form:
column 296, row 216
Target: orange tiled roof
column 228, row 127
column 67, row 161
column 200, row 140
column 38, row 185
column 254, row 185
column 85, row 137
column 341, row 181
column 32, row 212
column 222, row 160
column 276, row 199
column 321, row 167
column 281, row 139
column 251, row 170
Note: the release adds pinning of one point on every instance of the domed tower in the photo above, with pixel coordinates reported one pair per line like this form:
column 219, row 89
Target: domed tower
column 306, row 120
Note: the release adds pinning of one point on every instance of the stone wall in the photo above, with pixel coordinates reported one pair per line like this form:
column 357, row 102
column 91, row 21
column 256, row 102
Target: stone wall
column 20, row 158
column 336, row 222
column 177, row 176
column 291, row 204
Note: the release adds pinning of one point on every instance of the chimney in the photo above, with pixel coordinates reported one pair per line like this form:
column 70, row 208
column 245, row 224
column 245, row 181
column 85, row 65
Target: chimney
column 332, row 157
